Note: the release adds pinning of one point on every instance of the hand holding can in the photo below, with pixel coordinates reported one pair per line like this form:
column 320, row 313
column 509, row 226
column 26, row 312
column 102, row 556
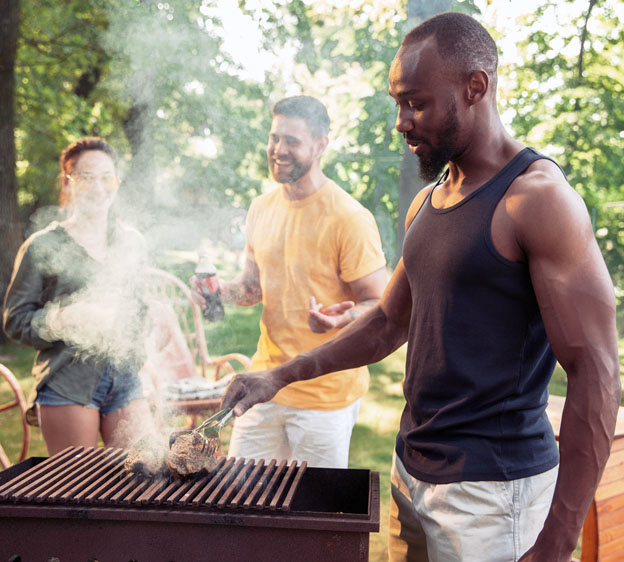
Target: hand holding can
column 206, row 275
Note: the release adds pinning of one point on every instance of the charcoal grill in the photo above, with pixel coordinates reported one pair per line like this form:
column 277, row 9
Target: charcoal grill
column 82, row 504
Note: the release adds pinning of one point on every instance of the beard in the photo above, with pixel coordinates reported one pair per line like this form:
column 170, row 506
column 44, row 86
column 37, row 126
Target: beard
column 297, row 171
column 433, row 162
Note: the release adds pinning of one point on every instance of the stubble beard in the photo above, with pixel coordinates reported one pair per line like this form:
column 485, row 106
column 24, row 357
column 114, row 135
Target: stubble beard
column 432, row 164
column 299, row 169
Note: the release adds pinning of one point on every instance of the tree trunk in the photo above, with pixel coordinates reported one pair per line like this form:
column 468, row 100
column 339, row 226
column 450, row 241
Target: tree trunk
column 10, row 227
column 579, row 76
column 137, row 194
column 410, row 182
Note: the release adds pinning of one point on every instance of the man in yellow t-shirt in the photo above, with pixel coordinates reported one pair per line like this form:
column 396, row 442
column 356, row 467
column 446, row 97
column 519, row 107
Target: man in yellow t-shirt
column 306, row 241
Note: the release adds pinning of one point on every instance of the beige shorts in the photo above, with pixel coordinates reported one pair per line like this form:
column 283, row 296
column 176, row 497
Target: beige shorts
column 487, row 521
column 275, row 431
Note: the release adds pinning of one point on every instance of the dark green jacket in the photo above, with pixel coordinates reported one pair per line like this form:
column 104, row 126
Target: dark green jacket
column 51, row 269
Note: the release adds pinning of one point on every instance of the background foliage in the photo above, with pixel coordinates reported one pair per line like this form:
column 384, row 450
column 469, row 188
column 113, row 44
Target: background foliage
column 155, row 79
column 190, row 120
column 567, row 98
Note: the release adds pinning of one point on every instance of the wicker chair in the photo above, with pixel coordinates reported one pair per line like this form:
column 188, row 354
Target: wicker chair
column 18, row 401
column 166, row 288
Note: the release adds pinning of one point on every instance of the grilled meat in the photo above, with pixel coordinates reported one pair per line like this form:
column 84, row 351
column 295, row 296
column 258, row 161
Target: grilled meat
column 189, row 455
column 147, row 456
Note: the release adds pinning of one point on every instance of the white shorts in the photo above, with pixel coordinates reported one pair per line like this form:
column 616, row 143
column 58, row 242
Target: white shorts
column 275, row 431
column 487, row 521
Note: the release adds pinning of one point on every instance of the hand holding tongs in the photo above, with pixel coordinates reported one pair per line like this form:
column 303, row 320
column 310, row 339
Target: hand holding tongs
column 209, row 428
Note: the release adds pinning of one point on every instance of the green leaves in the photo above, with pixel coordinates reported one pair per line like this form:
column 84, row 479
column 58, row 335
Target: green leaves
column 84, row 66
column 568, row 103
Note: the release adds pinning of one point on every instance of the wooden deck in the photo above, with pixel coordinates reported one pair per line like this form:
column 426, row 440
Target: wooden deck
column 603, row 531
column 555, row 407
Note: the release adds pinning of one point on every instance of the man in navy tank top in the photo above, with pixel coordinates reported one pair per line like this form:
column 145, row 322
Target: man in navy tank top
column 500, row 278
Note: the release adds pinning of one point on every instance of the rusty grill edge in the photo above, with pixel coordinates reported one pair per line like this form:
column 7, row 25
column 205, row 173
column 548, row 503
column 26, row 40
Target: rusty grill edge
column 83, row 504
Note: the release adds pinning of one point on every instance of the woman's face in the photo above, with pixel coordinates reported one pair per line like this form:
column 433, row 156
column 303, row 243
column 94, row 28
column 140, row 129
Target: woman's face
column 92, row 182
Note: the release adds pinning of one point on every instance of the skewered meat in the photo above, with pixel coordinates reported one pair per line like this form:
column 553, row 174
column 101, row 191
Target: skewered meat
column 147, row 456
column 189, row 455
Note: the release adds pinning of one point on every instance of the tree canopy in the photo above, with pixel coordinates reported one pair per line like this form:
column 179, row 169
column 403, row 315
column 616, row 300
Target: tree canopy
column 567, row 99
column 155, row 79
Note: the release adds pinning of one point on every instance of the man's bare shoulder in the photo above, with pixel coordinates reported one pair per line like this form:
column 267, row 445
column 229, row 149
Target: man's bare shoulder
column 542, row 205
column 539, row 179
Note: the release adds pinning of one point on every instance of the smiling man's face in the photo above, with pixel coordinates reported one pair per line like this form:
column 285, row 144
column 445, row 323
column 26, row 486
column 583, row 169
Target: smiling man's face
column 291, row 150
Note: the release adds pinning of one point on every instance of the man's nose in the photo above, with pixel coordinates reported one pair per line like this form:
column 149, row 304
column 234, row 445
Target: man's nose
column 281, row 147
column 404, row 120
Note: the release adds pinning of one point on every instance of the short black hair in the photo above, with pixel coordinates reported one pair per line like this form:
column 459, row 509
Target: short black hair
column 461, row 40
column 311, row 110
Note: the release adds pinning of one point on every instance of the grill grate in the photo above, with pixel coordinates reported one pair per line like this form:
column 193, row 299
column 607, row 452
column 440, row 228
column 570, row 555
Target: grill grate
column 96, row 476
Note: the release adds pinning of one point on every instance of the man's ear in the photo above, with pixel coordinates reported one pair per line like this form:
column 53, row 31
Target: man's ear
column 321, row 145
column 477, row 87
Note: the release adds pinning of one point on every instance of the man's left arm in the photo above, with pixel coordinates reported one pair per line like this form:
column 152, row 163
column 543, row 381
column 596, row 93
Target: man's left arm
column 367, row 292
column 577, row 303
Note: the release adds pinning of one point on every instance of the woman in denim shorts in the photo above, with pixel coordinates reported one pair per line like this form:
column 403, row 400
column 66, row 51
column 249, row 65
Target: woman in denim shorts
column 76, row 297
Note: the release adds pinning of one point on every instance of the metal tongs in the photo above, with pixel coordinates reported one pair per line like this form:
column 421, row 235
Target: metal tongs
column 210, row 429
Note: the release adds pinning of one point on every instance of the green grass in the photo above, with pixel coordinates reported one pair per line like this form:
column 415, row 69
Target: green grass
column 237, row 333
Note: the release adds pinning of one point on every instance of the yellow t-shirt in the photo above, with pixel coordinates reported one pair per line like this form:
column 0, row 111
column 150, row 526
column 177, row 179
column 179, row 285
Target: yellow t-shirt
column 309, row 247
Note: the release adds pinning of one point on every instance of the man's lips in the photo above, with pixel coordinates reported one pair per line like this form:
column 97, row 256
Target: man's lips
column 416, row 146
column 282, row 163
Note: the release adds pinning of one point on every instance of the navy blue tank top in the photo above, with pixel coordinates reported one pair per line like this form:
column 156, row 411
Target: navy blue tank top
column 478, row 360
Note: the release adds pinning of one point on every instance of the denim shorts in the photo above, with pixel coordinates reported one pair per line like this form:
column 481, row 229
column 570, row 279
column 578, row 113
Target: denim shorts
column 116, row 390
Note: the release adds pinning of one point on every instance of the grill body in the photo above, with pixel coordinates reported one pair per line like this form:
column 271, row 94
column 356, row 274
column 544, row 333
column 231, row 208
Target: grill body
column 88, row 507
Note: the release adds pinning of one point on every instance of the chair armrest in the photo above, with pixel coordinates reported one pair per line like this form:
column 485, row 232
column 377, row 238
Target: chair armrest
column 19, row 402
column 223, row 363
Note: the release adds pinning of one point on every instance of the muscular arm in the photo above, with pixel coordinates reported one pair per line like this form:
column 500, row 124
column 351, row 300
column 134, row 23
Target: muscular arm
column 576, row 300
column 367, row 292
column 245, row 290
